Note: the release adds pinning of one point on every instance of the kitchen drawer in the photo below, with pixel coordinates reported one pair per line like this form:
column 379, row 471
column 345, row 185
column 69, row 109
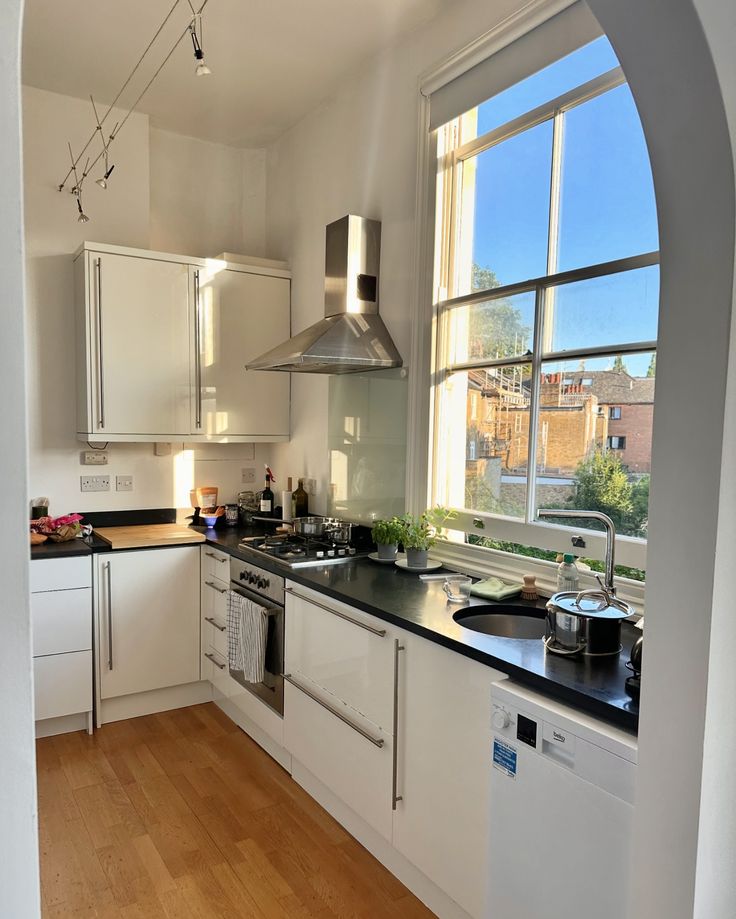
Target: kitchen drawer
column 349, row 764
column 62, row 684
column 61, row 621
column 214, row 666
column 215, row 564
column 343, row 650
column 214, row 637
column 61, row 573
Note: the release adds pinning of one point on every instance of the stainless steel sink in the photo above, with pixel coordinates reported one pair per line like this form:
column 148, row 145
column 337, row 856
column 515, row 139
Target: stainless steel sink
column 503, row 620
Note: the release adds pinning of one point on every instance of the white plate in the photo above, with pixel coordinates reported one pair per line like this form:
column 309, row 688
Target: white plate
column 381, row 561
column 405, row 566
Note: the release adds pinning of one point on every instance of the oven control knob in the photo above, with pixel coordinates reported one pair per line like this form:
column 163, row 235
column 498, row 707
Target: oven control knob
column 251, row 578
column 243, row 575
column 261, row 582
column 500, row 719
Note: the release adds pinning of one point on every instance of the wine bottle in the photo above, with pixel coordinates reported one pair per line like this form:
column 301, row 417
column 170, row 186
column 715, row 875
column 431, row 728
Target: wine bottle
column 267, row 497
column 301, row 501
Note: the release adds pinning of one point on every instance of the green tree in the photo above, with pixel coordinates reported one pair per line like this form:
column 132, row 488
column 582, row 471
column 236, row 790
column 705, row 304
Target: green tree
column 652, row 368
column 601, row 484
column 618, row 364
column 496, row 328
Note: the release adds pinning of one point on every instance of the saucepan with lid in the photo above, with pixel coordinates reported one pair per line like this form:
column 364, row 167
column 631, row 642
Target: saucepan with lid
column 585, row 622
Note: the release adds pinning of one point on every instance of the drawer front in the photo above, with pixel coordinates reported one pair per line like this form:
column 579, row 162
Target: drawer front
column 214, row 637
column 62, row 621
column 350, row 765
column 61, row 573
column 215, row 564
column 329, row 645
column 62, row 684
column 214, row 667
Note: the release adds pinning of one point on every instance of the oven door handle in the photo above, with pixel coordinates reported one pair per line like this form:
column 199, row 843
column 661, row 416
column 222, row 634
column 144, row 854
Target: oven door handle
column 273, row 609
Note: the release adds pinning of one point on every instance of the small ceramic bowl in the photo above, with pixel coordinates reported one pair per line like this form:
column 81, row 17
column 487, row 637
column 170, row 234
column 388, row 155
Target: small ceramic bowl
column 209, row 519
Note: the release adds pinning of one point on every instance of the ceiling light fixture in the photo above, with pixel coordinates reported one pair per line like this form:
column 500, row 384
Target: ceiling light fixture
column 194, row 29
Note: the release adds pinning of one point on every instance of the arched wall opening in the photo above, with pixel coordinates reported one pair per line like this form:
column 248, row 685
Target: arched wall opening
column 665, row 54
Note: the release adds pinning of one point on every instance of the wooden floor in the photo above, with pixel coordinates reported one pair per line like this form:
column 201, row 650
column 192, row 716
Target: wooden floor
column 181, row 815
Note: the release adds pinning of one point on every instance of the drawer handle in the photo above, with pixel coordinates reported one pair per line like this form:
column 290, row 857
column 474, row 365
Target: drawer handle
column 222, row 628
column 211, row 657
column 220, row 590
column 395, row 796
column 217, row 558
column 361, row 625
column 376, row 741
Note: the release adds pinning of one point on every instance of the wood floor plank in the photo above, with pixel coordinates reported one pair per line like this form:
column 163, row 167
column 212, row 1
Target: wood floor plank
column 180, row 815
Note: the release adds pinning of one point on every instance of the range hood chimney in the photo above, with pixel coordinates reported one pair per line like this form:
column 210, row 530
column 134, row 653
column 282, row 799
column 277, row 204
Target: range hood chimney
column 352, row 337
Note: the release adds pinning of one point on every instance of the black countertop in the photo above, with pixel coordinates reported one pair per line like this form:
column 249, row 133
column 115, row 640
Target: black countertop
column 399, row 597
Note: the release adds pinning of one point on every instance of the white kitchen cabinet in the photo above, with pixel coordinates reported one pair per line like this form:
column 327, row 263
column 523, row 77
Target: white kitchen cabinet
column 162, row 343
column 61, row 625
column 133, row 347
column 240, row 315
column 149, row 619
column 444, row 761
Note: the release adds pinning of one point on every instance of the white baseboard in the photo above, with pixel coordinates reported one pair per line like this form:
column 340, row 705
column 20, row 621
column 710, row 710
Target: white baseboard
column 157, row 700
column 274, row 750
column 410, row 876
column 65, row 724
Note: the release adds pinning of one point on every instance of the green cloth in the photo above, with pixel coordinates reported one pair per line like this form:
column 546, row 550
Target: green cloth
column 495, row 589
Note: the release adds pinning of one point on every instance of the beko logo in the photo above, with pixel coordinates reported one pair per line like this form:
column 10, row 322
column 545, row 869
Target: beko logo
column 558, row 736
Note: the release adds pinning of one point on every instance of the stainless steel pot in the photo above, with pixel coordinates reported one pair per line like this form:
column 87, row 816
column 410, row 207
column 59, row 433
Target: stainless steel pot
column 339, row 532
column 310, row 526
column 586, row 622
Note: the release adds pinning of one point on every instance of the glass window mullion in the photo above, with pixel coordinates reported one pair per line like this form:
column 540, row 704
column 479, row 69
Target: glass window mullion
column 531, row 466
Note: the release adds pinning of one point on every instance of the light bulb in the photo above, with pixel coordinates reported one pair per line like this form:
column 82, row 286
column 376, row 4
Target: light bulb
column 202, row 70
column 83, row 218
column 101, row 182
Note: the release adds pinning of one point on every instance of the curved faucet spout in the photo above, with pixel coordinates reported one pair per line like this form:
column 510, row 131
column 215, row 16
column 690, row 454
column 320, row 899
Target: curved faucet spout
column 610, row 534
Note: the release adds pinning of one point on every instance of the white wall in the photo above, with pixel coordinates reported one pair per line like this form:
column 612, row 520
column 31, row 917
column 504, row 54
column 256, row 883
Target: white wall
column 167, row 192
column 357, row 154
column 19, row 840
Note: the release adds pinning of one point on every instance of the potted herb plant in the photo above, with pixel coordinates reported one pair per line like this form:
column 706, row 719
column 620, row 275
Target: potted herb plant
column 420, row 533
column 387, row 535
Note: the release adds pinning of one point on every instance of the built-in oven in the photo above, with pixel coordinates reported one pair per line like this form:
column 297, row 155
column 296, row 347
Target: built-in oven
column 267, row 590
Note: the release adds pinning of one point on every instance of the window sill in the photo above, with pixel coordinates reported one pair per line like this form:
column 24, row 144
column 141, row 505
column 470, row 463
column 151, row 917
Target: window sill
column 487, row 562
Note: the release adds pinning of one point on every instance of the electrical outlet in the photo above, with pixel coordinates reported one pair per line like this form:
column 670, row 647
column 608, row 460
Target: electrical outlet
column 123, row 483
column 248, row 475
column 94, row 483
column 93, row 458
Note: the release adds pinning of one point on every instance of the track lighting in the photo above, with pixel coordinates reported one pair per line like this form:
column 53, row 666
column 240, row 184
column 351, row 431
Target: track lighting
column 102, row 181
column 83, row 218
column 201, row 70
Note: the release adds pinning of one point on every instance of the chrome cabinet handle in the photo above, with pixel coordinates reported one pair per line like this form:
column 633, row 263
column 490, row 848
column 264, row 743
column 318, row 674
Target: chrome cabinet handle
column 361, row 625
column 395, row 797
column 220, row 590
column 197, row 354
column 222, row 561
column 109, row 615
column 211, row 657
column 100, row 370
column 376, row 741
column 215, row 623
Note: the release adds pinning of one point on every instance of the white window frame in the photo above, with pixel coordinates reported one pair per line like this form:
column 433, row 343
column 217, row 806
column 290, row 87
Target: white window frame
column 425, row 338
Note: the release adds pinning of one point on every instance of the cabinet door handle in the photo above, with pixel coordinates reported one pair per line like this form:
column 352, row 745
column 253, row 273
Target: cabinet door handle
column 100, row 370
column 361, row 625
column 211, row 657
column 220, row 590
column 395, row 797
column 376, row 741
column 215, row 623
column 109, row 614
column 222, row 561
column 197, row 354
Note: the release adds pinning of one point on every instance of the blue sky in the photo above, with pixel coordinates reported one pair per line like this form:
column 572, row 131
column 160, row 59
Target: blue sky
column 607, row 202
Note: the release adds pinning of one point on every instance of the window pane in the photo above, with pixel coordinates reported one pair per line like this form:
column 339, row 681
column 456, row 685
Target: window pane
column 484, row 447
column 562, row 76
column 589, row 457
column 505, row 212
column 492, row 329
column 607, row 204
column 613, row 310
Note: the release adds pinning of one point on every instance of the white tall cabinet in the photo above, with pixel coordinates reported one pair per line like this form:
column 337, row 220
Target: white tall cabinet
column 162, row 343
column 148, row 619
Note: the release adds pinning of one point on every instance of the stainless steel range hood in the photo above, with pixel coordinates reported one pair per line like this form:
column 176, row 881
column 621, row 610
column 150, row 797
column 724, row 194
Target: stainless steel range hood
column 352, row 337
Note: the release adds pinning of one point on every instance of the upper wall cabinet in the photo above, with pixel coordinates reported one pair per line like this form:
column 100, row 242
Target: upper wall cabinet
column 162, row 343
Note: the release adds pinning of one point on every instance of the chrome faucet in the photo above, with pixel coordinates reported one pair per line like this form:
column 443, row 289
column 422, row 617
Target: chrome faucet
column 610, row 535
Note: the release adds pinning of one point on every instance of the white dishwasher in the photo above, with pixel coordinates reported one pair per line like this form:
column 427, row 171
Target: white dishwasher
column 561, row 809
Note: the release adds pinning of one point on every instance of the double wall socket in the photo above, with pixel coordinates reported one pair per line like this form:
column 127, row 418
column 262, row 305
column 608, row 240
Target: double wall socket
column 94, row 483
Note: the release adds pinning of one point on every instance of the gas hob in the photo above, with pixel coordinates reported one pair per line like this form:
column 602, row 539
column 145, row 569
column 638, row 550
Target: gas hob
column 300, row 551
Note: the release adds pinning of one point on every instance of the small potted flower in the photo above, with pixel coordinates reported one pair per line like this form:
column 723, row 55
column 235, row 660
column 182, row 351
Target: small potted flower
column 387, row 535
column 420, row 533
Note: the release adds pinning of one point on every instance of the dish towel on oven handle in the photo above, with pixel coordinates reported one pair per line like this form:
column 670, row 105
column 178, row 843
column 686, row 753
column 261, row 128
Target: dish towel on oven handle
column 247, row 630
